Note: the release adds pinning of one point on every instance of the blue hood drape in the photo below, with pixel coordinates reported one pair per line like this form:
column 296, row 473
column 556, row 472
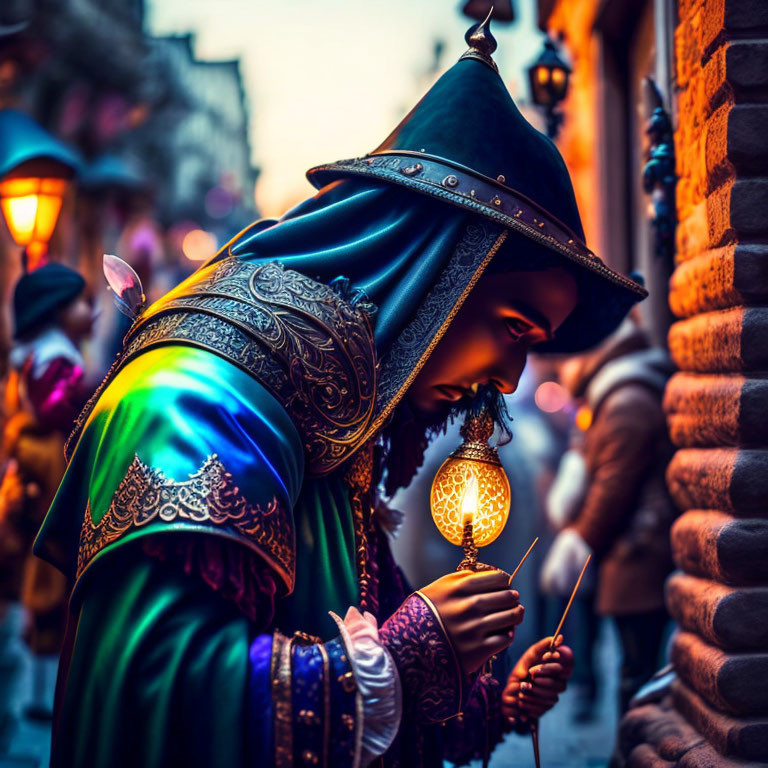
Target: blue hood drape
column 390, row 243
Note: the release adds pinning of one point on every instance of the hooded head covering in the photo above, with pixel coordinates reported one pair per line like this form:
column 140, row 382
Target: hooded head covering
column 463, row 179
column 40, row 294
column 466, row 143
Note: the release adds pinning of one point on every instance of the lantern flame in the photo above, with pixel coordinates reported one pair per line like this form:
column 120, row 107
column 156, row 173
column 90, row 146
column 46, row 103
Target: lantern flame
column 469, row 500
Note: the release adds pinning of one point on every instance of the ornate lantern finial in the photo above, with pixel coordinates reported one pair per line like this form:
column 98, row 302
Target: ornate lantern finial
column 481, row 42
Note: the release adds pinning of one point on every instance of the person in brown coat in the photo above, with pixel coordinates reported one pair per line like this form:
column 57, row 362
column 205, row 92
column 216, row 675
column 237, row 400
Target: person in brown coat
column 626, row 513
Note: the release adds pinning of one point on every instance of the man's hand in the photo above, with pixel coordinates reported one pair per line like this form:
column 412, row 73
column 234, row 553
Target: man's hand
column 479, row 612
column 536, row 681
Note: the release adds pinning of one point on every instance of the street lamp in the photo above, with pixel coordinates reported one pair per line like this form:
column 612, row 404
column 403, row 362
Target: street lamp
column 31, row 206
column 35, row 170
column 548, row 77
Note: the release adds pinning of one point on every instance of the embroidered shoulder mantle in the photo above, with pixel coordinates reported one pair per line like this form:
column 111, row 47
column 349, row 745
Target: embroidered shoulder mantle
column 308, row 345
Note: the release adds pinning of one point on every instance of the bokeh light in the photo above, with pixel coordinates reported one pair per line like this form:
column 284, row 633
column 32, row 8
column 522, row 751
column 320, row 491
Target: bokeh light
column 199, row 245
column 583, row 418
column 550, row 397
column 219, row 202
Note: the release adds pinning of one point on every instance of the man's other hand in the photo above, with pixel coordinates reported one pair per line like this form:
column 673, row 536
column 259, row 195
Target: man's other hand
column 536, row 681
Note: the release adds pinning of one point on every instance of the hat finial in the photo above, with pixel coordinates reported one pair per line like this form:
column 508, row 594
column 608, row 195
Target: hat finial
column 481, row 42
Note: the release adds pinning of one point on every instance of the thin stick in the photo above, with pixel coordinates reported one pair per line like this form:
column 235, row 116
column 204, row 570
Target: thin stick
column 514, row 573
column 535, row 742
column 535, row 723
column 570, row 602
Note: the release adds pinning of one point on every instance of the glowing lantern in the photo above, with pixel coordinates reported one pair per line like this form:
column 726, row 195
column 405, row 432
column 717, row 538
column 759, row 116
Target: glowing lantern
column 35, row 168
column 470, row 496
column 548, row 77
column 31, row 209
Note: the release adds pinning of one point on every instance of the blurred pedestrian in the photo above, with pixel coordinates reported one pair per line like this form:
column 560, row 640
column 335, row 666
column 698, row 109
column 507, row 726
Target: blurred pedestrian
column 52, row 317
column 625, row 515
column 562, row 504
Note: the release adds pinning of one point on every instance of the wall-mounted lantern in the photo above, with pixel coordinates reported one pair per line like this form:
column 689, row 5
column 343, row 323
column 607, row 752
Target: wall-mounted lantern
column 35, row 171
column 549, row 76
column 659, row 178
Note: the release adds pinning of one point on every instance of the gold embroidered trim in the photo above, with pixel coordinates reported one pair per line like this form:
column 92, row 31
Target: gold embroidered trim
column 459, row 672
column 309, row 345
column 358, row 477
column 390, row 406
column 281, row 696
column 209, row 498
column 326, row 703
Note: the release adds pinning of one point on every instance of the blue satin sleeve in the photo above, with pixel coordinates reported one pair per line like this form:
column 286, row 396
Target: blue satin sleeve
column 304, row 704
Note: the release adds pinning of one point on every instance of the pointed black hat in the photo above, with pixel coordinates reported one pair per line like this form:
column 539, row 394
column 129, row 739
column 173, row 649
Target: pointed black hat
column 467, row 144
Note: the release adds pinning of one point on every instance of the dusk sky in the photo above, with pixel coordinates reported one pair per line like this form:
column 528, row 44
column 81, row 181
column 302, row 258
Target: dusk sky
column 329, row 79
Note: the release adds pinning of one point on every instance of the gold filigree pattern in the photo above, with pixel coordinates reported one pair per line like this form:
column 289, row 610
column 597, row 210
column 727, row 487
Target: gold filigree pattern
column 281, row 697
column 209, row 498
column 409, row 352
column 358, row 477
column 448, row 491
column 302, row 340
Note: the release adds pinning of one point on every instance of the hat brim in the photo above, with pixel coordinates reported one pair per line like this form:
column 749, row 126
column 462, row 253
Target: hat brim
column 605, row 295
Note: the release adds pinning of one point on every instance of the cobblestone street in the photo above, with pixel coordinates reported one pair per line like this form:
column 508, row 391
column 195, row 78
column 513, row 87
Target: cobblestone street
column 24, row 743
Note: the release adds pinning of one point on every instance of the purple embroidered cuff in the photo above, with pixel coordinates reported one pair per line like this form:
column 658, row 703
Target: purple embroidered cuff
column 429, row 670
column 475, row 734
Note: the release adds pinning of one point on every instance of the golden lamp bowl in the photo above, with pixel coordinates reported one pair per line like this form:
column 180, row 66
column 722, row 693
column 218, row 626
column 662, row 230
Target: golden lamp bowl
column 448, row 502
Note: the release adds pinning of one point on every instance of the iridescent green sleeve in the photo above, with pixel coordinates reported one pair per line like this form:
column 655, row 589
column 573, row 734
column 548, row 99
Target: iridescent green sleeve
column 158, row 673
column 181, row 440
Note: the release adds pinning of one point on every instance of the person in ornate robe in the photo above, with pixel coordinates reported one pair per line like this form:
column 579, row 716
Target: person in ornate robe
column 224, row 490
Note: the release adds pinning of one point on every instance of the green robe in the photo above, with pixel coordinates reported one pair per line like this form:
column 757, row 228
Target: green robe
column 159, row 662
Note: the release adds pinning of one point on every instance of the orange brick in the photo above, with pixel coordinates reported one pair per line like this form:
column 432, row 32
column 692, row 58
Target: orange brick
column 704, row 283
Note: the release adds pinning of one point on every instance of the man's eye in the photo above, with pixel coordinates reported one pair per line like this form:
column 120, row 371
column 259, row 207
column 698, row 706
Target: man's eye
column 517, row 327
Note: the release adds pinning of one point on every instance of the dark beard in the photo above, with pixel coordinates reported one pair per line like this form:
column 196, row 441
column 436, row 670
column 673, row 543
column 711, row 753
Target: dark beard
column 408, row 434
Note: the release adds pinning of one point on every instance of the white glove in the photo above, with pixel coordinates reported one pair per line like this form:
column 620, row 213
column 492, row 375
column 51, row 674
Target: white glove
column 567, row 491
column 563, row 564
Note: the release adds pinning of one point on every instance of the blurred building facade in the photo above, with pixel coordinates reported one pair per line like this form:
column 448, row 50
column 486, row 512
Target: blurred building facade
column 709, row 61
column 205, row 144
column 163, row 135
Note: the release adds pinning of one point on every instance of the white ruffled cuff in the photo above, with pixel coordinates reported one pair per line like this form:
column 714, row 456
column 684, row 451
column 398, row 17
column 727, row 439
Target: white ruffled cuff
column 377, row 681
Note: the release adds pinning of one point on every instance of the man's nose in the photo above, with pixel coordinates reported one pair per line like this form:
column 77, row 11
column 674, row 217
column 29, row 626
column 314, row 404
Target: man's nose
column 506, row 375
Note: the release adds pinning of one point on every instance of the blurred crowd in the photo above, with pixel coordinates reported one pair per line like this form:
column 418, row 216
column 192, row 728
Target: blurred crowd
column 65, row 335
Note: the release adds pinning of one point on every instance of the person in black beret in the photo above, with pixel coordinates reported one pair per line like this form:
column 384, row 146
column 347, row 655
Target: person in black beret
column 52, row 316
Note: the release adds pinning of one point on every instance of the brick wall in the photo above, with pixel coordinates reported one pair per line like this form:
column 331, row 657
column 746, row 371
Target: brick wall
column 716, row 712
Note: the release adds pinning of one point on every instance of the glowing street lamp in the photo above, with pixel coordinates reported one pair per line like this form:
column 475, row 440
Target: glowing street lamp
column 470, row 496
column 548, row 77
column 35, row 169
column 31, row 207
